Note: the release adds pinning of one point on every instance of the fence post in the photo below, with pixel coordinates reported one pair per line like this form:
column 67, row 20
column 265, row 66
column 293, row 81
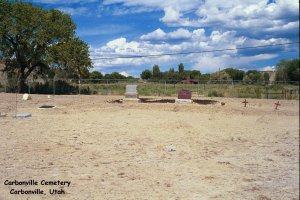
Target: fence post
column 28, row 83
column 198, row 85
column 232, row 89
column 53, row 85
column 106, row 86
column 5, row 85
column 79, row 86
column 165, row 88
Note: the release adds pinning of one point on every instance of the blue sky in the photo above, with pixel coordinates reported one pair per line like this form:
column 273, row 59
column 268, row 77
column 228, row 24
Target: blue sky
column 142, row 27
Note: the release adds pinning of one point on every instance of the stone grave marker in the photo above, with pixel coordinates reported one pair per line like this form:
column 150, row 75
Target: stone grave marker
column 23, row 115
column 184, row 96
column 131, row 92
column 26, row 97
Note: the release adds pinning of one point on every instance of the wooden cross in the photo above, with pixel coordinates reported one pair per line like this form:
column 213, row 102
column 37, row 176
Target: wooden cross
column 277, row 104
column 245, row 102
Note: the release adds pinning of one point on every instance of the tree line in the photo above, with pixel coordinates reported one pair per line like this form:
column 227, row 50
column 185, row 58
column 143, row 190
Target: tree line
column 171, row 75
column 286, row 71
column 42, row 43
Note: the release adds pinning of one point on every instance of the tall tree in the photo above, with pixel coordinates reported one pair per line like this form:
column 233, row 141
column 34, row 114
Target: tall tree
column 255, row 76
column 266, row 77
column 156, row 72
column 71, row 56
column 146, row 74
column 235, row 74
column 195, row 74
column 96, row 75
column 27, row 35
column 287, row 70
column 180, row 68
column 114, row 75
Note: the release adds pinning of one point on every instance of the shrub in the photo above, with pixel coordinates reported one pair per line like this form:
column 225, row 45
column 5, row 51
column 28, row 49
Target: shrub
column 61, row 87
column 215, row 93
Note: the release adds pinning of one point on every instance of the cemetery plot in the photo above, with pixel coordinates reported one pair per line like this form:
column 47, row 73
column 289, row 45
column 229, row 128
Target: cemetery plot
column 152, row 150
column 184, row 96
column 46, row 106
column 131, row 92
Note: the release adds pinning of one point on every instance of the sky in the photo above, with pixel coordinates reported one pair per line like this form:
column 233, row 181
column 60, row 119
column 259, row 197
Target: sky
column 116, row 28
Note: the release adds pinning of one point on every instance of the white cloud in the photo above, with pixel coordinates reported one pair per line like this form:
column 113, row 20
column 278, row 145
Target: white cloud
column 199, row 34
column 231, row 24
column 124, row 74
column 130, row 10
column 158, row 34
column 198, row 41
column 171, row 15
column 211, row 63
column 251, row 16
column 173, row 9
column 74, row 11
column 180, row 34
column 268, row 68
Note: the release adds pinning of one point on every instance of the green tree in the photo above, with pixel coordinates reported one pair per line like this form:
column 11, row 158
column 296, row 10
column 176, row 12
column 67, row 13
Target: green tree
column 180, row 68
column 266, row 77
column 171, row 75
column 146, row 74
column 255, row 76
column 114, row 75
column 246, row 79
column 204, row 77
column 195, row 74
column 220, row 75
column 292, row 70
column 96, row 75
column 287, row 70
column 156, row 72
column 27, row 35
column 235, row 74
column 71, row 56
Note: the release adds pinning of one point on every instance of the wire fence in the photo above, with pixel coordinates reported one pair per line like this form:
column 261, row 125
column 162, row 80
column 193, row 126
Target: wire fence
column 162, row 88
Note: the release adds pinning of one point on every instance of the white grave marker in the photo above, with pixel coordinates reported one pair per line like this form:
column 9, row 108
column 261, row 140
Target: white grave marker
column 26, row 97
column 131, row 92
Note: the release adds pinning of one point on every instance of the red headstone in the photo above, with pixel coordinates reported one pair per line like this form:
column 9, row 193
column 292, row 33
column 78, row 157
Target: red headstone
column 184, row 94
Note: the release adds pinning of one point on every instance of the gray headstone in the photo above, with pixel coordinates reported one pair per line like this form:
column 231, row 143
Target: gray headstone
column 131, row 92
column 23, row 115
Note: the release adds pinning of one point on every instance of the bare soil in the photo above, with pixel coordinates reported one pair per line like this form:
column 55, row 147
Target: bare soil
column 112, row 149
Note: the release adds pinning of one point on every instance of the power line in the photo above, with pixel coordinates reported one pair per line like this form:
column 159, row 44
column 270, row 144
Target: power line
column 193, row 52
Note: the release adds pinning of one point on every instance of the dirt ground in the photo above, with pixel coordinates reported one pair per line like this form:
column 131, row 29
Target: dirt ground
column 118, row 150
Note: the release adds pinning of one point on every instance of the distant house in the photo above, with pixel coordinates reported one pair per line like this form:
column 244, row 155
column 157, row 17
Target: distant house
column 190, row 81
column 271, row 73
